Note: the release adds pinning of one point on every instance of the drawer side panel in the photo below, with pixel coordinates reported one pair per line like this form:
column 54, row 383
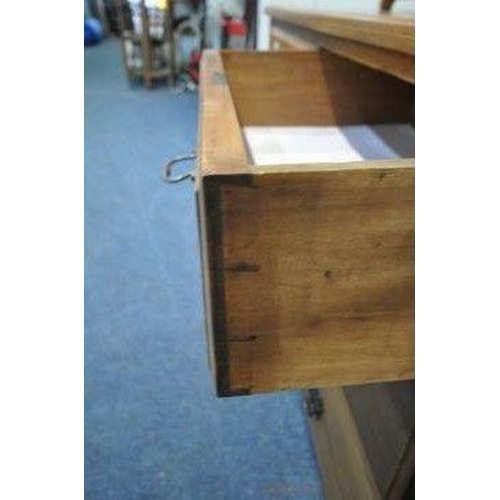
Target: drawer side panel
column 316, row 273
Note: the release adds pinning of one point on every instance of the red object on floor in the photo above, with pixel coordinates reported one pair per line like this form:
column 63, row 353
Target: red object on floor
column 235, row 27
column 193, row 69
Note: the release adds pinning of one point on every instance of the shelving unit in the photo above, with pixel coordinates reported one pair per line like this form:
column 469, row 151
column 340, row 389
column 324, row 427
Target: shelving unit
column 147, row 41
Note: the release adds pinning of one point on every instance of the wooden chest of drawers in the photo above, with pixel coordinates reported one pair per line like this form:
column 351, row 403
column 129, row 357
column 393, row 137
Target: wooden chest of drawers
column 364, row 439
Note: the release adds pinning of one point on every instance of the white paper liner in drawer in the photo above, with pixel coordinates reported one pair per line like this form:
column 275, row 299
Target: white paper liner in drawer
column 299, row 145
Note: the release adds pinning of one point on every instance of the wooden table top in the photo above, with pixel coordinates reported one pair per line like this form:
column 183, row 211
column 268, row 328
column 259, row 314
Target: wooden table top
column 380, row 30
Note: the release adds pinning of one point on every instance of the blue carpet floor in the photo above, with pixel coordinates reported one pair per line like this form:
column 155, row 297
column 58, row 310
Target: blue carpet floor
column 153, row 426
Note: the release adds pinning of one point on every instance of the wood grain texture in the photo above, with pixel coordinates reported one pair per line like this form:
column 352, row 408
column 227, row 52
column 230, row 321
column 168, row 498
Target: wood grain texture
column 215, row 355
column 221, row 147
column 316, row 275
column 308, row 269
column 210, row 216
column 286, row 36
column 390, row 32
column 272, row 88
column 361, row 95
column 313, row 88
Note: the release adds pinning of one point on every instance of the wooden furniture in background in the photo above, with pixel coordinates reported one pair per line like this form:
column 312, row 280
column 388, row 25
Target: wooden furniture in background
column 364, row 440
column 147, row 44
column 381, row 42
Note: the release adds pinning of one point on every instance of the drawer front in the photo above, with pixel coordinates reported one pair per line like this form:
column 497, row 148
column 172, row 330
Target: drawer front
column 309, row 268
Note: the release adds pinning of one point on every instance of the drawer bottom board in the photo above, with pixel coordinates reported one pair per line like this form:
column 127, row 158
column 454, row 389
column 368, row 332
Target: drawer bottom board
column 329, row 144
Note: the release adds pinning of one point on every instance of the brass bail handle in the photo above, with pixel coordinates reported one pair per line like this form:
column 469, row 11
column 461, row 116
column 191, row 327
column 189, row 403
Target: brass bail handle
column 168, row 169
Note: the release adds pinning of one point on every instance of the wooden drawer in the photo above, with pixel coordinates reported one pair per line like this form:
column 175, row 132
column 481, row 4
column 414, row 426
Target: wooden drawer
column 364, row 440
column 308, row 267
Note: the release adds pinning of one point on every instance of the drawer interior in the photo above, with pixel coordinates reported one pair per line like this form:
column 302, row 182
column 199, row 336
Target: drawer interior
column 318, row 107
column 328, row 144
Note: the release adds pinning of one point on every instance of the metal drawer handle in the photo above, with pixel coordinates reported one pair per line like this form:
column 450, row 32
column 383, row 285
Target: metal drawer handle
column 168, row 169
